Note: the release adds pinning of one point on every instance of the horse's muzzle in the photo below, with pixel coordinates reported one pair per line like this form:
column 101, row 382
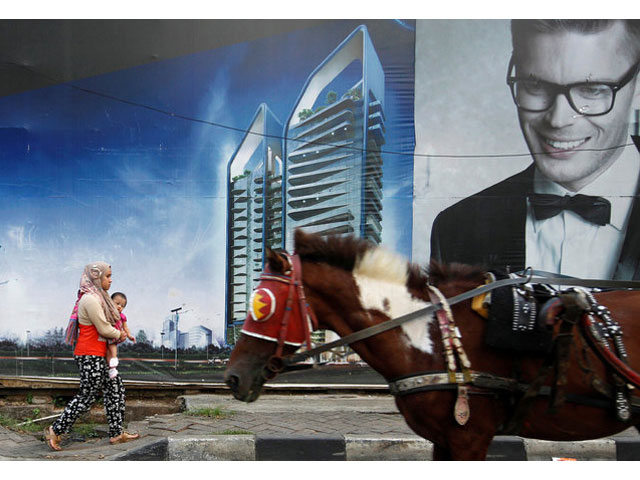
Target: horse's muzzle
column 232, row 382
column 241, row 389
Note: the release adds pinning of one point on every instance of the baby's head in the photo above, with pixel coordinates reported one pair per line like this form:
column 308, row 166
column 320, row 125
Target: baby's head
column 120, row 300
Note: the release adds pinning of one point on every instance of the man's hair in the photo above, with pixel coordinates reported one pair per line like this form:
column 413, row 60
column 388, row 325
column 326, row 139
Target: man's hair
column 521, row 29
column 119, row 294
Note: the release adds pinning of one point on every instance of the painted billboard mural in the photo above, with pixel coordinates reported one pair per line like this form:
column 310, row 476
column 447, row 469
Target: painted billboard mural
column 434, row 138
column 152, row 169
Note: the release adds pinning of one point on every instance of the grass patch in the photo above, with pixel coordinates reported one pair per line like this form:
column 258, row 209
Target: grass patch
column 19, row 425
column 87, row 430
column 215, row 412
column 14, row 424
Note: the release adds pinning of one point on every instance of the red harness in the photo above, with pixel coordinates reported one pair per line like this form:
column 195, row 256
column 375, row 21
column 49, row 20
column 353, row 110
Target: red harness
column 278, row 309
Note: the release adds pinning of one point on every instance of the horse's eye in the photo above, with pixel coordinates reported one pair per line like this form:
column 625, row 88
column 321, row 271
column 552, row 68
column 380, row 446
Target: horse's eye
column 262, row 304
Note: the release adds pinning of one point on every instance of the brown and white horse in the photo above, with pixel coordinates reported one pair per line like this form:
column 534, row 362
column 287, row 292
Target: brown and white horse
column 350, row 285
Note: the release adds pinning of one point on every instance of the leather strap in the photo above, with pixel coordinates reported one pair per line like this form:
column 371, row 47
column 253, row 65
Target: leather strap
column 545, row 278
column 388, row 325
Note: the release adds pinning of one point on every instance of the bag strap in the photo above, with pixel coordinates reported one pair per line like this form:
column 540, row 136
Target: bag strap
column 71, row 333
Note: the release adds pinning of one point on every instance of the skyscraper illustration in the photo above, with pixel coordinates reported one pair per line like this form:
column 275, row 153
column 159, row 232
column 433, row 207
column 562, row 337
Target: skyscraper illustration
column 254, row 216
column 333, row 137
column 324, row 175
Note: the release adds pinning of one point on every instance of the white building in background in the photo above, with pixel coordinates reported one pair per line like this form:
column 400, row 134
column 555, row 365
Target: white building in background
column 200, row 337
column 169, row 332
column 183, row 339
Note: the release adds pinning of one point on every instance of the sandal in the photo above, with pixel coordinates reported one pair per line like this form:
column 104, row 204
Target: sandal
column 53, row 440
column 124, row 437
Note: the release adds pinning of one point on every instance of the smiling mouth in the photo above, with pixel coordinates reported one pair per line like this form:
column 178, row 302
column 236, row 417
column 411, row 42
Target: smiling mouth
column 563, row 145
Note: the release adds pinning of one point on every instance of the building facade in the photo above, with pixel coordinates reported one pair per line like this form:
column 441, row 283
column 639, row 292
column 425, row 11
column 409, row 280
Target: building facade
column 322, row 172
column 254, row 212
column 333, row 138
column 200, row 336
column 169, row 332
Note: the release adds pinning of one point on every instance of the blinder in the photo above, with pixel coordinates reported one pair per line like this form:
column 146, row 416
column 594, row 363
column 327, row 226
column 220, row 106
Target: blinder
column 278, row 311
column 262, row 304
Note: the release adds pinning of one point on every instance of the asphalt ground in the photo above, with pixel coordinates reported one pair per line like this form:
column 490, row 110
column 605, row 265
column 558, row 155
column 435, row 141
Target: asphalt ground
column 277, row 427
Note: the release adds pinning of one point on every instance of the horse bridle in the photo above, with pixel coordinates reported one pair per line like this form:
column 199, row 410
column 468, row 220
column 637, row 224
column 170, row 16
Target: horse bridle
column 293, row 278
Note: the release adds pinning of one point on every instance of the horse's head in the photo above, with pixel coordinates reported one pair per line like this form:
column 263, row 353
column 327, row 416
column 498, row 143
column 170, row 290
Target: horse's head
column 277, row 324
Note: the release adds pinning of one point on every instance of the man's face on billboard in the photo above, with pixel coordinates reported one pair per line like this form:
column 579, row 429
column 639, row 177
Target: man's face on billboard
column 570, row 148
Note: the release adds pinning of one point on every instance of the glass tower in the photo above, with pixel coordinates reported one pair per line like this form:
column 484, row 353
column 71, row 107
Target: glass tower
column 333, row 138
column 330, row 181
column 254, row 216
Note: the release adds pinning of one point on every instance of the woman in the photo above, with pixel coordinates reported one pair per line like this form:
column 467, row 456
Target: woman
column 96, row 316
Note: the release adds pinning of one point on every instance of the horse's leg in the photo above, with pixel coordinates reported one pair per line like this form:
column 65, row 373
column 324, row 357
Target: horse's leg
column 470, row 447
column 430, row 415
column 465, row 450
column 441, row 453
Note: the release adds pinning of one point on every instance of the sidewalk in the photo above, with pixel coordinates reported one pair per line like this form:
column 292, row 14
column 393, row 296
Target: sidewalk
column 294, row 427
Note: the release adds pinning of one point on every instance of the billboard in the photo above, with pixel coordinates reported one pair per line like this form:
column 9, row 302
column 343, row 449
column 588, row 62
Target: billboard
column 133, row 167
column 438, row 139
column 527, row 150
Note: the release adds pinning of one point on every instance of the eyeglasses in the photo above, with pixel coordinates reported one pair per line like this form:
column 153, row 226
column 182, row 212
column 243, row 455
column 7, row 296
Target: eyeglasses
column 587, row 98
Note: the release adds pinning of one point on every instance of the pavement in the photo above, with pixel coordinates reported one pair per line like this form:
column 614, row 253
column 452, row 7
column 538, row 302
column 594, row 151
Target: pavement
column 337, row 426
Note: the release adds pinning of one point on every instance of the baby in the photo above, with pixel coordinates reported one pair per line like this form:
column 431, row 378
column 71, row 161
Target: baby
column 120, row 301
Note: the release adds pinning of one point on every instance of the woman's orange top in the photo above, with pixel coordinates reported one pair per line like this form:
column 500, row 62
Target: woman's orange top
column 90, row 342
column 93, row 328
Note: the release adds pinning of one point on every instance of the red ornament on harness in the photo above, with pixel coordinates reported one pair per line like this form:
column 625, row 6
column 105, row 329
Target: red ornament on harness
column 278, row 311
column 262, row 304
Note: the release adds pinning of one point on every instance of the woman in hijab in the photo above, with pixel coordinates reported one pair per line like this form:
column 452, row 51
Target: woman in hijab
column 97, row 316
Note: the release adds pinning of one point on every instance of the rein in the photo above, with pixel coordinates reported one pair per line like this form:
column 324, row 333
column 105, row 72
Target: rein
column 459, row 375
column 278, row 364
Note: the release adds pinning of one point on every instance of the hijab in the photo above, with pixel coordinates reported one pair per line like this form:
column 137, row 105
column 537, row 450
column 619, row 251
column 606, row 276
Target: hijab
column 91, row 283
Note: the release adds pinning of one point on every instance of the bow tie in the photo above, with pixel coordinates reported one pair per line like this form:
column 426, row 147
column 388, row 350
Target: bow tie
column 593, row 209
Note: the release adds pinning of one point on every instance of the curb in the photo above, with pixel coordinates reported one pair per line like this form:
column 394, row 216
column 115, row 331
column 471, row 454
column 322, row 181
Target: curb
column 366, row 448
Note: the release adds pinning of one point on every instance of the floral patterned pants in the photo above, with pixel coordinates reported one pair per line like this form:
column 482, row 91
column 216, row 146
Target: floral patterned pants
column 94, row 379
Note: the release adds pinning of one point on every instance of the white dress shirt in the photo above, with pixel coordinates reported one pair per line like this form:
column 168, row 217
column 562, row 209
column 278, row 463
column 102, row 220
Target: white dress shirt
column 569, row 245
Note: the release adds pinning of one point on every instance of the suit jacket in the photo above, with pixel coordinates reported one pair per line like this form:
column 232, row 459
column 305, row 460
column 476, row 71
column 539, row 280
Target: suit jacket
column 488, row 229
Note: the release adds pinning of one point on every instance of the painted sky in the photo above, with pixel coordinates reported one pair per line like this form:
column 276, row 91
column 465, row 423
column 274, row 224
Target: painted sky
column 129, row 168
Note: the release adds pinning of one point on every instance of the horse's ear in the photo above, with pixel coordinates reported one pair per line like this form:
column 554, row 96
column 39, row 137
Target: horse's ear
column 299, row 239
column 276, row 262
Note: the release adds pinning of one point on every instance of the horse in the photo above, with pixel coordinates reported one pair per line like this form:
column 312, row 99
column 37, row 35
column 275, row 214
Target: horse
column 345, row 284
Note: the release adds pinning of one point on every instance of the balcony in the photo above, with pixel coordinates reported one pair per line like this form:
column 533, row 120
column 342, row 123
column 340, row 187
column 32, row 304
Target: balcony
column 296, row 192
column 313, row 200
column 315, row 177
column 343, row 217
column 307, row 152
column 339, row 133
column 327, row 123
column 347, row 103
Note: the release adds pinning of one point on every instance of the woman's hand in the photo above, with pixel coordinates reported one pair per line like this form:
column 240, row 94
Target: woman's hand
column 123, row 335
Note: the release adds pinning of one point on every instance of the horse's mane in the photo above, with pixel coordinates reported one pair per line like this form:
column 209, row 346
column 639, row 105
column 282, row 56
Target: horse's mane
column 339, row 251
column 349, row 252
column 352, row 253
